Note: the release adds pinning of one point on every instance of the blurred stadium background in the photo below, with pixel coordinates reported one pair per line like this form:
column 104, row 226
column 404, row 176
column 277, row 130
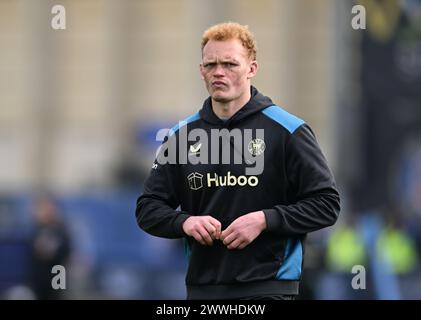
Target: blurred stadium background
column 79, row 110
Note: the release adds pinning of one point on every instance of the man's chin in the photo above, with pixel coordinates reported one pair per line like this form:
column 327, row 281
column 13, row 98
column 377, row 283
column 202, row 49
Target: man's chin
column 220, row 98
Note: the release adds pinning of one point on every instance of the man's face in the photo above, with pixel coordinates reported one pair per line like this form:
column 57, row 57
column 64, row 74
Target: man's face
column 226, row 70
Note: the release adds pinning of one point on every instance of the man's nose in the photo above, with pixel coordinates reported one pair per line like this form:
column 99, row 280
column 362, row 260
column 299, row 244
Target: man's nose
column 219, row 70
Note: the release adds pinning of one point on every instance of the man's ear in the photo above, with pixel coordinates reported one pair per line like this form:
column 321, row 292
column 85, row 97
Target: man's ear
column 252, row 69
column 201, row 71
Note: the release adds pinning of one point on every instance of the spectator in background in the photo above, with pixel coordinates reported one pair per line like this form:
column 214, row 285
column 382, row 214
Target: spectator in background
column 50, row 246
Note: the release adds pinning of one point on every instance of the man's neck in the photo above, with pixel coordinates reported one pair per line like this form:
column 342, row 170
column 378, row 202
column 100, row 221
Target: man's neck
column 227, row 110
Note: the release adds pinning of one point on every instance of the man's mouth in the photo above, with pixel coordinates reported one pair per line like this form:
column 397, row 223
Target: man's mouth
column 219, row 84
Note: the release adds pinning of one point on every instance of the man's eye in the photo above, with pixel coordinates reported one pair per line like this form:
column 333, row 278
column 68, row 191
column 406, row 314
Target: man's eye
column 209, row 65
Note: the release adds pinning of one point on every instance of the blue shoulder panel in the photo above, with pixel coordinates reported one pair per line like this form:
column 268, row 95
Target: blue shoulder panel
column 285, row 119
column 184, row 122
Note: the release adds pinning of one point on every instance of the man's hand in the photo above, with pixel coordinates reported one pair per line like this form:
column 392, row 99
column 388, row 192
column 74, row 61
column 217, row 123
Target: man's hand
column 204, row 229
column 244, row 230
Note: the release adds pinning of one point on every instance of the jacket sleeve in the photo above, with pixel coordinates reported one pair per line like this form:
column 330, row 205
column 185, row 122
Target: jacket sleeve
column 311, row 184
column 156, row 208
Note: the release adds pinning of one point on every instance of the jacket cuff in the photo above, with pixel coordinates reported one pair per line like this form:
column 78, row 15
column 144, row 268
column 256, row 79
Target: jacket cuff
column 178, row 224
column 273, row 219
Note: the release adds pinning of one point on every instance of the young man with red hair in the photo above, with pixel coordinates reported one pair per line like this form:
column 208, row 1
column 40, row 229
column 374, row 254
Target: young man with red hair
column 244, row 230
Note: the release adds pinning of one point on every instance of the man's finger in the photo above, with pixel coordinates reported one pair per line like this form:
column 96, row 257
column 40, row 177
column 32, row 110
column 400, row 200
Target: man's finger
column 196, row 235
column 210, row 228
column 205, row 235
column 217, row 225
column 226, row 233
column 242, row 245
column 218, row 232
column 229, row 238
column 235, row 244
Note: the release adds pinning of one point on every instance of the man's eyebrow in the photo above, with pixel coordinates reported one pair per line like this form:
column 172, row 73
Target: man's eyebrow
column 229, row 60
column 223, row 60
